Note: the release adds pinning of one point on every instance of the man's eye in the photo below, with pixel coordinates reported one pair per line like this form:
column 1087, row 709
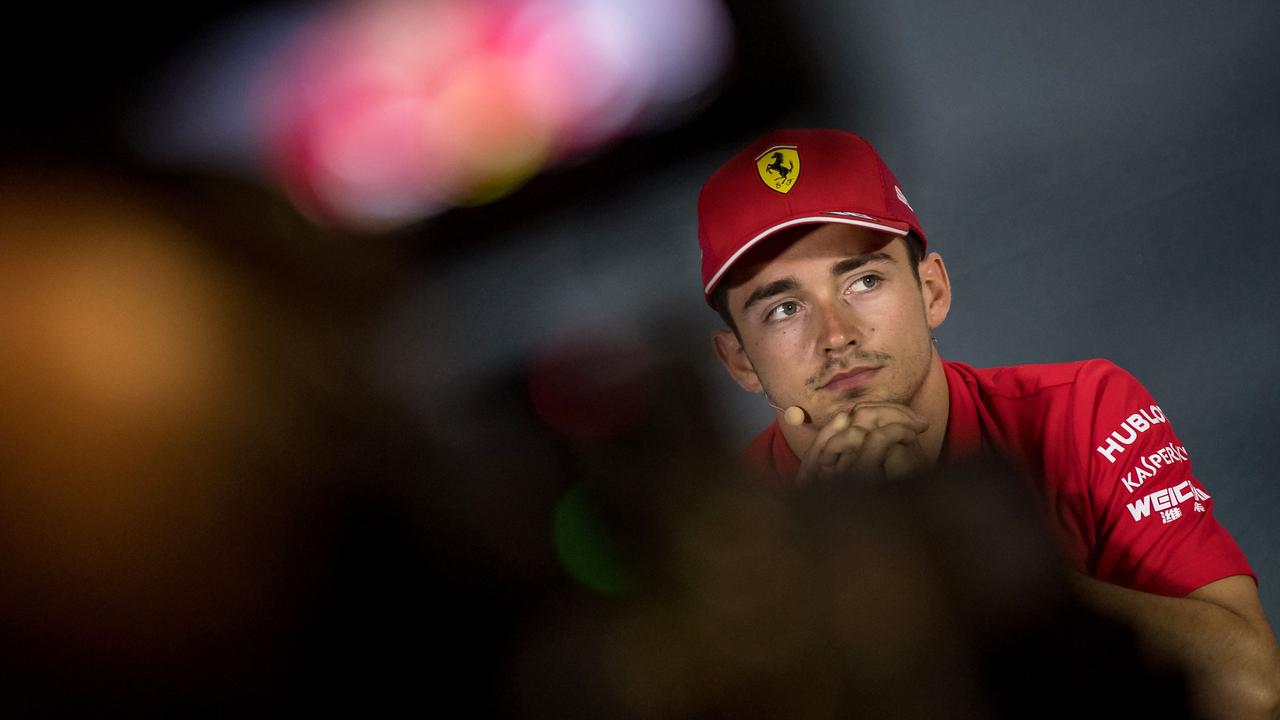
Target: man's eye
column 784, row 310
column 864, row 283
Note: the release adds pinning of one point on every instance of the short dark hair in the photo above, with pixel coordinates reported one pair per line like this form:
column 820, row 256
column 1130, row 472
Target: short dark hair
column 720, row 298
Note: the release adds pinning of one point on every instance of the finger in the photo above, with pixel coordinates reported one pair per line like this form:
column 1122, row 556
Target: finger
column 856, row 457
column 827, row 454
column 813, row 457
column 870, row 461
column 844, row 468
column 902, row 461
column 845, row 442
column 838, row 424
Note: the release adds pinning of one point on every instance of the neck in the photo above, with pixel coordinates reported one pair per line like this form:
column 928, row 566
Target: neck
column 934, row 402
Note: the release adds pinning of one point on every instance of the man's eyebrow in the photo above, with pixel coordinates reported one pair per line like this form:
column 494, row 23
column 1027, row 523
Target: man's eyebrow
column 857, row 261
column 777, row 287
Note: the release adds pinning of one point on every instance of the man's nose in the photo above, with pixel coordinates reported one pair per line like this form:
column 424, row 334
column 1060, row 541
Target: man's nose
column 840, row 328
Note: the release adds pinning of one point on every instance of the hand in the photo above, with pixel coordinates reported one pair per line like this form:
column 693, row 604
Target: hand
column 873, row 442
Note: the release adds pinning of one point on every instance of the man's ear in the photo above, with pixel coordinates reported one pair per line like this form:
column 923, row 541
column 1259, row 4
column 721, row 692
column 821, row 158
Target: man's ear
column 734, row 358
column 935, row 288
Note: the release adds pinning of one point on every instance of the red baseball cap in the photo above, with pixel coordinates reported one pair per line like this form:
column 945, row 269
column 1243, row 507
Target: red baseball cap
column 794, row 177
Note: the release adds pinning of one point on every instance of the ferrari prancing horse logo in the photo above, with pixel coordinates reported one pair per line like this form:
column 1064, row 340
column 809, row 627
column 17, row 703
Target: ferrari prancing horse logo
column 779, row 167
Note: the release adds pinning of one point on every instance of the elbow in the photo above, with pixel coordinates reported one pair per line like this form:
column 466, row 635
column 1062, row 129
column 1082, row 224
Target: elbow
column 1268, row 703
column 1265, row 700
column 1269, row 695
column 1251, row 698
column 1262, row 693
column 1250, row 690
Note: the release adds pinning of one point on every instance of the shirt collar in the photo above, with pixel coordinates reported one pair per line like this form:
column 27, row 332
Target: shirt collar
column 963, row 440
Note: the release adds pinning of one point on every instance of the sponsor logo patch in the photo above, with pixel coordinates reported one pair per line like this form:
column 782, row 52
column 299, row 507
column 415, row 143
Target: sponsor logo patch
column 1149, row 466
column 1133, row 426
column 1165, row 502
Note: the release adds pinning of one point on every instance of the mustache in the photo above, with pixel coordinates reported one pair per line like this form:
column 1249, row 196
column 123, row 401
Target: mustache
column 836, row 365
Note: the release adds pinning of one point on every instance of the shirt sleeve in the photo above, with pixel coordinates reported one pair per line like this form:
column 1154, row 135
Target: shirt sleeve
column 1154, row 525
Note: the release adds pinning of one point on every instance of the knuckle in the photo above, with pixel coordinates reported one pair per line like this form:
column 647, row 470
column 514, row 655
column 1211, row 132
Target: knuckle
column 881, row 435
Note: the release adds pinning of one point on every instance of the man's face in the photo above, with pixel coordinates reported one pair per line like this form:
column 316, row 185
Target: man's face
column 832, row 319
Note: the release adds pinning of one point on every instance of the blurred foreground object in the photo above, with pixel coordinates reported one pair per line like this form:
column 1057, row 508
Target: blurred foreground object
column 185, row 420
column 125, row 394
column 939, row 598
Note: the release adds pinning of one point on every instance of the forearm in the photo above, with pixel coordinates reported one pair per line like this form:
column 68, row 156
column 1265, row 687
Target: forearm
column 1230, row 659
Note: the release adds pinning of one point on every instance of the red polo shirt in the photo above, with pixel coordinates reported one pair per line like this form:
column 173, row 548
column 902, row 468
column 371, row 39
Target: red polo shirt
column 1114, row 477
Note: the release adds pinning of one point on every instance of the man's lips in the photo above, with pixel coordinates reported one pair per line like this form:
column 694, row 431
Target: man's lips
column 850, row 379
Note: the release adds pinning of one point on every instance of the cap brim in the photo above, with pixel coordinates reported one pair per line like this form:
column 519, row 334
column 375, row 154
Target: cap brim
column 899, row 229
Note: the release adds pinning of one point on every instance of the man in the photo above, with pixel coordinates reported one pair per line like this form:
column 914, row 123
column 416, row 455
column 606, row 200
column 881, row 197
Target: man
column 818, row 265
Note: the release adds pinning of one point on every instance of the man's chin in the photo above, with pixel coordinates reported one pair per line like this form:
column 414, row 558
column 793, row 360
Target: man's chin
column 824, row 412
column 851, row 399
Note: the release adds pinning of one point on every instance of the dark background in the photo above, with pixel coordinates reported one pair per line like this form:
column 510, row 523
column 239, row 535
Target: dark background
column 1099, row 177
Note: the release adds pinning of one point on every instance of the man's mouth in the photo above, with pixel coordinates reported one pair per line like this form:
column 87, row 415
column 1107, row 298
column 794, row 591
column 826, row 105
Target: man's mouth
column 850, row 379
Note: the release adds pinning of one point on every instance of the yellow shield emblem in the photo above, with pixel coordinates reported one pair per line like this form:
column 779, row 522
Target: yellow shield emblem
column 779, row 167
